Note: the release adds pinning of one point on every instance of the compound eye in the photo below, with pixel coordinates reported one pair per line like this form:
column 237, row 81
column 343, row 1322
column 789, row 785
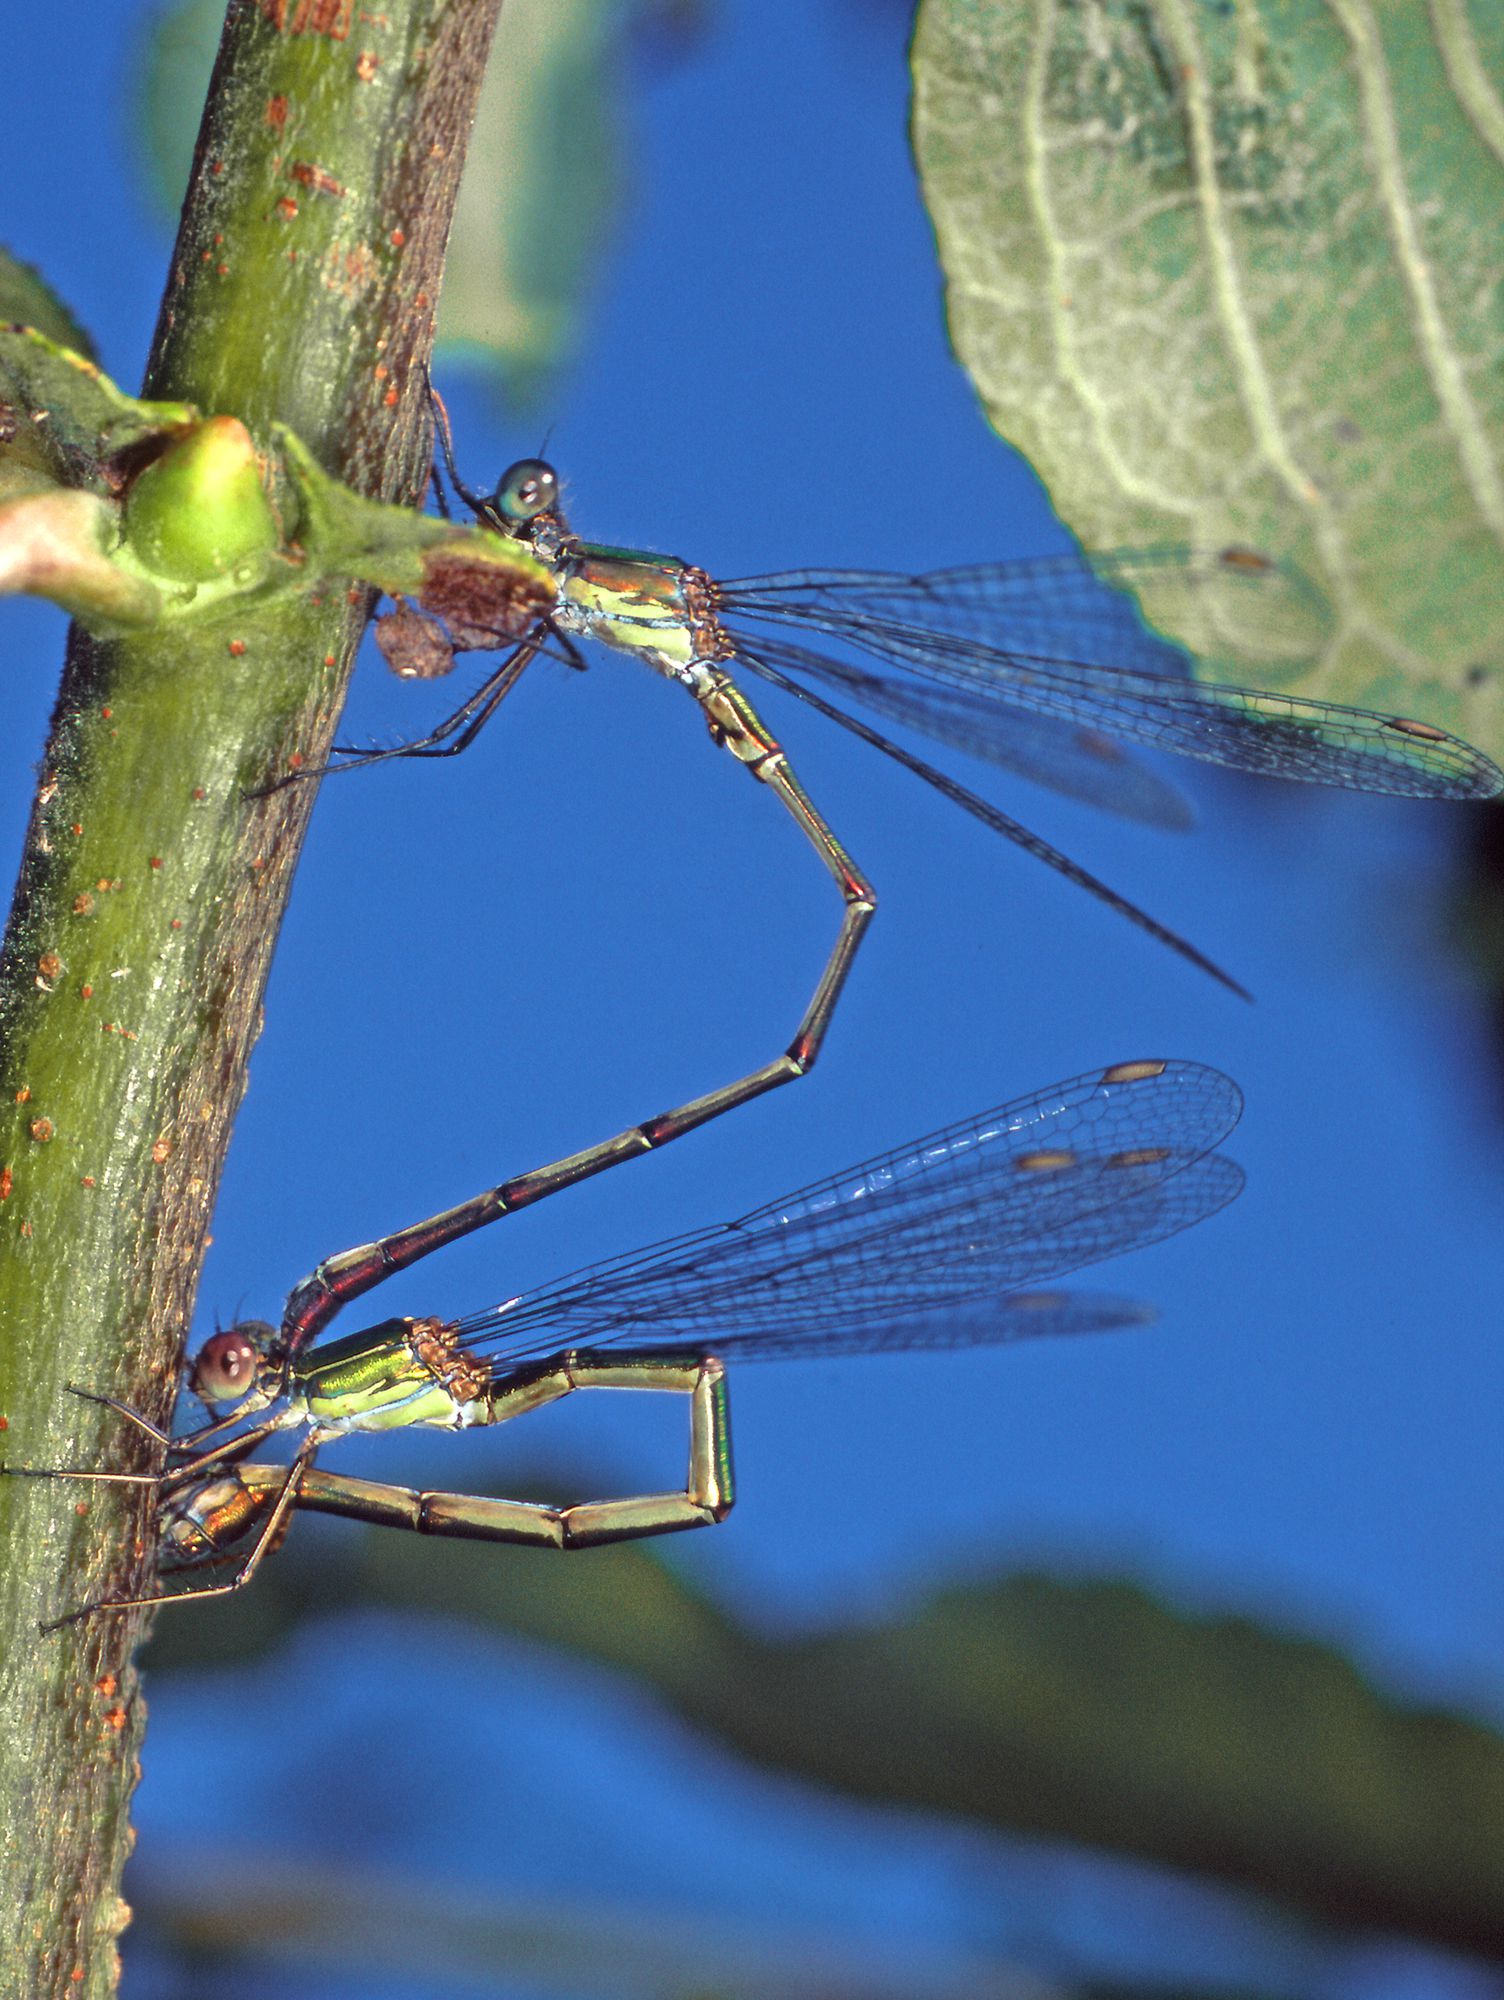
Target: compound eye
column 225, row 1367
column 527, row 489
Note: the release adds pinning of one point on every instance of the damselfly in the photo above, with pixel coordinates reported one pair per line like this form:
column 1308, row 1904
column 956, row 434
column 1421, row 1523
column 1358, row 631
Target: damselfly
column 953, row 1241
column 1037, row 666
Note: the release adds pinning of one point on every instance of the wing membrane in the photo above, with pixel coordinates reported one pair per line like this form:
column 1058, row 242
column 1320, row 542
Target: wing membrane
column 963, row 631
column 942, row 1243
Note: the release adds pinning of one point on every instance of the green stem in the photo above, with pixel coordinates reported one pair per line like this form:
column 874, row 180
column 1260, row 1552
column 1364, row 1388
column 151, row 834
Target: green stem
column 302, row 289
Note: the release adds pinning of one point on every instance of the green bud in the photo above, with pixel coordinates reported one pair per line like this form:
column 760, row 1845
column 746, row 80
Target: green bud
column 200, row 509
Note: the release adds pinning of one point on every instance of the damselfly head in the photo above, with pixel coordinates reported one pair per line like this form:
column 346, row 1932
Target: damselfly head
column 526, row 490
column 227, row 1367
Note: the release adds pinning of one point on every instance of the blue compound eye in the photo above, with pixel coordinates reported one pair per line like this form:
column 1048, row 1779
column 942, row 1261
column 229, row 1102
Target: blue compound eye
column 527, row 489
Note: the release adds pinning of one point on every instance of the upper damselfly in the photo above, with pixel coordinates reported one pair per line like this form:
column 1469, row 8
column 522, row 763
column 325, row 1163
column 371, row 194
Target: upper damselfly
column 953, row 1241
column 1043, row 667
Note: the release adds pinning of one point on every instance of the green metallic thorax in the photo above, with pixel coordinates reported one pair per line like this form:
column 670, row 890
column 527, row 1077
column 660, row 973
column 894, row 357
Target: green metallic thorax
column 648, row 605
column 374, row 1381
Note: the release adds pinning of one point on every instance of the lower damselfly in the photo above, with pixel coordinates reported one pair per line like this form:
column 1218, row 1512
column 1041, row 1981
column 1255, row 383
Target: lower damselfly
column 953, row 1241
column 1042, row 667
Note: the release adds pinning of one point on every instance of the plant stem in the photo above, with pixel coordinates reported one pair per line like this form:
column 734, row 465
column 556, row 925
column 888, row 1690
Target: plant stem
column 302, row 287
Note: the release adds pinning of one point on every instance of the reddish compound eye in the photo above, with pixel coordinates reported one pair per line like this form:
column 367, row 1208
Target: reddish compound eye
column 225, row 1369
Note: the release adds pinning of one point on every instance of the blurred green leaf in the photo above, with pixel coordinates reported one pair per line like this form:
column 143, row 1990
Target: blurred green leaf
column 177, row 58
column 544, row 178
column 1088, row 1711
column 27, row 299
column 542, row 189
column 251, row 1908
column 1233, row 275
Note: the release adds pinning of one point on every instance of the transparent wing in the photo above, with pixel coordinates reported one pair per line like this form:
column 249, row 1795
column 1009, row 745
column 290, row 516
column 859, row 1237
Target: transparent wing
column 1077, row 605
column 979, row 632
column 1069, row 757
column 919, row 1247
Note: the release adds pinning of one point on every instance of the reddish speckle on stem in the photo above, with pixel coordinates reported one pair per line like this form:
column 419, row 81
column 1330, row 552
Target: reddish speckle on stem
column 295, row 761
column 276, row 112
column 81, row 1507
column 156, row 861
column 115, row 1717
column 390, row 399
column 381, row 371
column 49, row 965
column 107, row 1685
column 216, row 166
column 76, row 829
column 310, row 176
column 88, row 1180
column 176, row 924
column 107, row 713
column 42, row 1130
column 237, row 647
column 83, row 904
column 421, row 302
column 352, row 596
column 366, row 66
column 207, row 258
column 23, row 1093
column 218, row 238
column 287, row 208
column 86, row 992
column 398, row 238
column 4, row 1423
column 161, row 1151
column 104, row 884
column 223, row 270
column 7, row 1182
column 328, row 659
column 198, row 793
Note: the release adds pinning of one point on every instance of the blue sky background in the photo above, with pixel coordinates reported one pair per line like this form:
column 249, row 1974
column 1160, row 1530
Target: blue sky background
column 492, row 962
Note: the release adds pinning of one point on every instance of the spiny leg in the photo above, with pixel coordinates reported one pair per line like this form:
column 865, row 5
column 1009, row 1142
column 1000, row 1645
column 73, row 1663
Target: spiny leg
column 478, row 503
column 266, row 1538
column 198, row 1451
column 454, row 735
column 198, row 1459
column 458, row 731
column 735, row 723
column 153, row 1431
column 448, row 738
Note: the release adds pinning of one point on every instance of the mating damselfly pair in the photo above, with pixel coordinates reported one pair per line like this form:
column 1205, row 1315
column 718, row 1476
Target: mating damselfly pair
column 949, row 1242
